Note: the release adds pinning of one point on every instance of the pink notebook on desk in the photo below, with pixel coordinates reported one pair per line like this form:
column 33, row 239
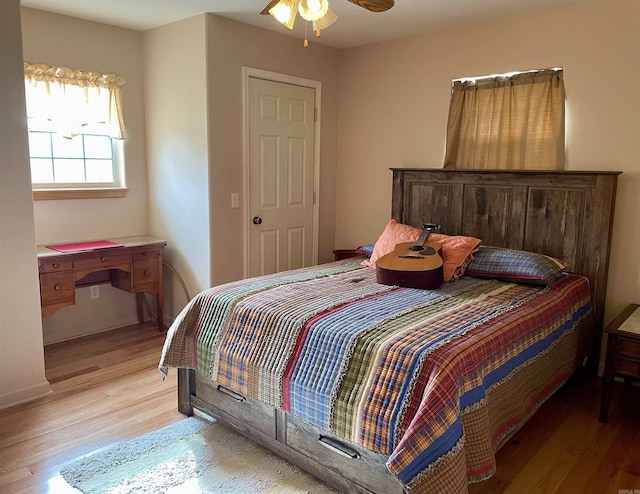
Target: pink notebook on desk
column 80, row 246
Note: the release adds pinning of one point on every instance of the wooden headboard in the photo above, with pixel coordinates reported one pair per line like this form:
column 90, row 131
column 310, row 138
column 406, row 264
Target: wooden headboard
column 564, row 214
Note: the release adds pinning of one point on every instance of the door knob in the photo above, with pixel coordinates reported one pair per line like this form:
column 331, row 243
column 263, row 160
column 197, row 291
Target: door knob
column 257, row 220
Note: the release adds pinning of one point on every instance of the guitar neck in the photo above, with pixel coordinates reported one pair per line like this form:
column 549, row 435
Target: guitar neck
column 423, row 238
column 427, row 229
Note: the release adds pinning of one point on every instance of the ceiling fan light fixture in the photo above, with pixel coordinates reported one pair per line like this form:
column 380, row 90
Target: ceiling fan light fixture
column 316, row 11
column 285, row 12
column 313, row 10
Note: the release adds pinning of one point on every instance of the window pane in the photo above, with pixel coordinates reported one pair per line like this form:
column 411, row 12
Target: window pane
column 99, row 171
column 41, row 171
column 84, row 160
column 97, row 146
column 39, row 144
column 67, row 148
column 68, row 171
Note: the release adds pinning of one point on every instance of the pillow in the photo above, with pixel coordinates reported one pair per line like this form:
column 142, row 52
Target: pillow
column 456, row 250
column 518, row 266
column 367, row 250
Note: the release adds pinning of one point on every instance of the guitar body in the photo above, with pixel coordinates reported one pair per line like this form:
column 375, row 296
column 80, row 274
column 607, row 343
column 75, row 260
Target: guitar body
column 412, row 266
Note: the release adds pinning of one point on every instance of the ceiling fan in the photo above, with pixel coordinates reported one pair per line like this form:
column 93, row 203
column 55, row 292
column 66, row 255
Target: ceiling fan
column 371, row 5
column 316, row 11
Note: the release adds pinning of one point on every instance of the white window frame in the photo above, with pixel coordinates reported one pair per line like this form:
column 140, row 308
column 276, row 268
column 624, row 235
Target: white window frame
column 74, row 116
column 116, row 163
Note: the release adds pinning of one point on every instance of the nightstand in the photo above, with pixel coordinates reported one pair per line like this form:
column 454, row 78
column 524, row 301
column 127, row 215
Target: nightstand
column 623, row 353
column 340, row 254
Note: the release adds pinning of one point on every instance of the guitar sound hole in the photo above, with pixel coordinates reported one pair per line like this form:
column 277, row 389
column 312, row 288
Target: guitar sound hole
column 416, row 248
column 424, row 251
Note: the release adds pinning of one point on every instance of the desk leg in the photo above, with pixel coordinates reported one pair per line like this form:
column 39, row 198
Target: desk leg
column 607, row 378
column 159, row 307
column 140, row 307
column 160, row 299
column 160, row 316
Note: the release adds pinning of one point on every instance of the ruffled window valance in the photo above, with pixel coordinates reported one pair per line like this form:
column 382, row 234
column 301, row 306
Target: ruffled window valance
column 73, row 102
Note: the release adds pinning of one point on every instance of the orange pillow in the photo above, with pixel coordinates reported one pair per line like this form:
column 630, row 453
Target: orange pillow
column 457, row 251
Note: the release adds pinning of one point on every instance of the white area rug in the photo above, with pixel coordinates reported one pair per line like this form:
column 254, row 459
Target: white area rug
column 191, row 456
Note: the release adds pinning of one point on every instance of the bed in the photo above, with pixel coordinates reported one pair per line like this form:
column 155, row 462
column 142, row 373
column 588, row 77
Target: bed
column 381, row 389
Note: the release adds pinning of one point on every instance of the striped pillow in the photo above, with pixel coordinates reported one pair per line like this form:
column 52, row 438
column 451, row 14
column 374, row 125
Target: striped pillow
column 367, row 250
column 517, row 266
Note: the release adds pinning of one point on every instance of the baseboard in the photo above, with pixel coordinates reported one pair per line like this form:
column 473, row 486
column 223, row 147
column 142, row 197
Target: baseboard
column 59, row 334
column 24, row 395
column 53, row 337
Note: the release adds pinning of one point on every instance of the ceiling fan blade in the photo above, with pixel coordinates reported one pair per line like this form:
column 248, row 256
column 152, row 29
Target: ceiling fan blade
column 271, row 4
column 374, row 5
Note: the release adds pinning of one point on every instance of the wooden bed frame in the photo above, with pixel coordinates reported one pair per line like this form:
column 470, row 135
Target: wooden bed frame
column 567, row 215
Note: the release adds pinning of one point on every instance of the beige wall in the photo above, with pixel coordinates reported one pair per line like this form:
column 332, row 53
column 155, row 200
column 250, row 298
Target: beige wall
column 184, row 96
column 194, row 115
column 60, row 40
column 394, row 99
column 232, row 45
column 21, row 352
column 177, row 153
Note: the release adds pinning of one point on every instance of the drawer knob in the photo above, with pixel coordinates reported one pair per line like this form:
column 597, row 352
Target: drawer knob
column 103, row 258
column 55, row 265
column 147, row 272
column 145, row 253
column 58, row 287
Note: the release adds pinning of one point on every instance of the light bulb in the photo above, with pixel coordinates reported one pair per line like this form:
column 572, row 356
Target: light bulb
column 312, row 10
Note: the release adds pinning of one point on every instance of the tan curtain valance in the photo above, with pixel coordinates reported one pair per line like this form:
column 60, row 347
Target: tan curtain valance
column 511, row 122
column 71, row 101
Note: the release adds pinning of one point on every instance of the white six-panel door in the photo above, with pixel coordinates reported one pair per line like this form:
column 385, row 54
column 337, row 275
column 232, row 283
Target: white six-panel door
column 281, row 182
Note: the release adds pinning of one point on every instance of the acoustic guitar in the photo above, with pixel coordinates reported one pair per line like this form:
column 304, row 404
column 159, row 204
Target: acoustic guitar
column 413, row 265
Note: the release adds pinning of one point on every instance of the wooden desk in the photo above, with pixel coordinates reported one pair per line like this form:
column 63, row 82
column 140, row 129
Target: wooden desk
column 136, row 268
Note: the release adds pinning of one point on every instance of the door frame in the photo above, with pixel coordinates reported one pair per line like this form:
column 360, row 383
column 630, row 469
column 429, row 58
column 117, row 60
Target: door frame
column 248, row 73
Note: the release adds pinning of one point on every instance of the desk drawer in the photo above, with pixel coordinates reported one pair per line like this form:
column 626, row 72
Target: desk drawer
column 627, row 366
column 57, row 288
column 146, row 255
column 628, row 347
column 54, row 265
column 146, row 277
column 104, row 261
column 146, row 271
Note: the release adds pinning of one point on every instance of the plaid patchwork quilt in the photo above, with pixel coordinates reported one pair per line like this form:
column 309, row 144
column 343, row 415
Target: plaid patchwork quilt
column 418, row 375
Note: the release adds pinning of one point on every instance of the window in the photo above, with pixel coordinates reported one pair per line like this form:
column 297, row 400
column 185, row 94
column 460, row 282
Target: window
column 76, row 131
column 509, row 121
column 86, row 159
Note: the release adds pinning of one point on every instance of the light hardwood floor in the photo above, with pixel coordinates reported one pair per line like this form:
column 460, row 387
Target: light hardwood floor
column 107, row 389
